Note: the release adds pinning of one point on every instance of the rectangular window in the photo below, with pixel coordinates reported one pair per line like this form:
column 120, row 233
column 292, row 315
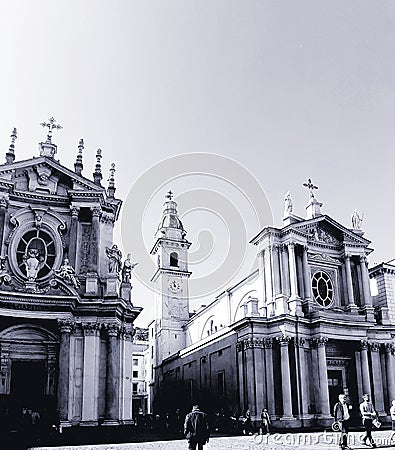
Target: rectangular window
column 221, row 384
column 135, row 362
column 135, row 373
column 135, row 387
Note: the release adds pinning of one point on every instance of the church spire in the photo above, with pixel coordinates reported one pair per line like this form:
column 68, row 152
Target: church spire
column 78, row 166
column 10, row 155
column 111, row 181
column 170, row 225
column 97, row 175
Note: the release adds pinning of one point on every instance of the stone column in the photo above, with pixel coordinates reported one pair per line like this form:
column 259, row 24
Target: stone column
column 112, row 376
column 390, row 365
column 323, row 377
column 377, row 377
column 365, row 367
column 350, row 292
column 285, row 377
column 259, row 376
column 3, row 209
column 73, row 235
column 280, row 299
column 240, row 371
column 365, row 281
column 294, row 301
column 271, row 406
column 292, row 270
column 303, row 387
column 90, row 377
column 251, row 374
column 285, row 271
column 94, row 261
column 66, row 327
column 264, row 312
column 276, row 270
column 306, row 275
column 126, row 377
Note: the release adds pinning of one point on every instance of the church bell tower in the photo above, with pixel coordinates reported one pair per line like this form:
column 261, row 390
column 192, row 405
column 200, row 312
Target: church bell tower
column 171, row 282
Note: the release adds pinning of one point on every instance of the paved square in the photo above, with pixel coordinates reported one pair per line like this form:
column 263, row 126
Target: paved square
column 302, row 441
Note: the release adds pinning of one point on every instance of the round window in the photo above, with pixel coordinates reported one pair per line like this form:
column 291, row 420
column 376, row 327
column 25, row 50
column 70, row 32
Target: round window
column 322, row 289
column 36, row 254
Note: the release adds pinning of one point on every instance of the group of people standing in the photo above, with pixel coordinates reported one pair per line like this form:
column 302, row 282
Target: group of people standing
column 369, row 416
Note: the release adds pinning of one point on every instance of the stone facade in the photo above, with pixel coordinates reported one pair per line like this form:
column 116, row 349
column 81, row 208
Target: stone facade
column 66, row 317
column 293, row 335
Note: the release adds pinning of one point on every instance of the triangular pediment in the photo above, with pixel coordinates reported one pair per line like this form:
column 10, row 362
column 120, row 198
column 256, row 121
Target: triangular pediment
column 325, row 230
column 45, row 175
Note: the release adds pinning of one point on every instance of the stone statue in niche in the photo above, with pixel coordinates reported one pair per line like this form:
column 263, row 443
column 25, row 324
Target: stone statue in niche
column 115, row 259
column 356, row 220
column 127, row 269
column 67, row 273
column 33, row 262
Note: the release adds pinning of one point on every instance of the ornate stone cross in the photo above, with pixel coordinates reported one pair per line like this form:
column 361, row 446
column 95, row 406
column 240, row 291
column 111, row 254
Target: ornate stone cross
column 310, row 186
column 170, row 195
column 51, row 125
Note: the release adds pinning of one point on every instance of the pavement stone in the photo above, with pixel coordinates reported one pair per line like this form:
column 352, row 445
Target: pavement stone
column 278, row 441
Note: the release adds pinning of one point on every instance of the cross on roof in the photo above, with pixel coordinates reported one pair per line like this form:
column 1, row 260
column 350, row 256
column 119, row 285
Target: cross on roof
column 51, row 125
column 310, row 186
column 170, row 195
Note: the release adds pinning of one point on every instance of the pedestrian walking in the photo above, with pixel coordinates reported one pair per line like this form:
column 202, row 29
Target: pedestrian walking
column 392, row 412
column 368, row 414
column 196, row 428
column 247, row 423
column 265, row 421
column 341, row 413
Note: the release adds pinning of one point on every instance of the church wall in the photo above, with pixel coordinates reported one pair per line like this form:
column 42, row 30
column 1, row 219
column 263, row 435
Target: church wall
column 196, row 374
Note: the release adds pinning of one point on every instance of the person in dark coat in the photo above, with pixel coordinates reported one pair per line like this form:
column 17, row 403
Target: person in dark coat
column 341, row 413
column 196, row 428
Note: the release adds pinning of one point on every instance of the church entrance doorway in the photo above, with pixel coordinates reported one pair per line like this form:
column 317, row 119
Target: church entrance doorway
column 28, row 379
column 335, row 385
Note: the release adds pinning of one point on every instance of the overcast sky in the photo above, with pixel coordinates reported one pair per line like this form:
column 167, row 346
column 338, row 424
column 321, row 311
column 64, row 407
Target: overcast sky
column 287, row 89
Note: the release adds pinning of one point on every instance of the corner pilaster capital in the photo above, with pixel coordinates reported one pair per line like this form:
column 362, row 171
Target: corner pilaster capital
column 112, row 329
column 96, row 211
column 374, row 346
column 75, row 210
column 90, row 328
column 66, row 326
column 364, row 344
column 284, row 340
column 268, row 342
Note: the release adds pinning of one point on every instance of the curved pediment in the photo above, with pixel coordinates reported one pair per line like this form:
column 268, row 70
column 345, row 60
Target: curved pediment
column 28, row 333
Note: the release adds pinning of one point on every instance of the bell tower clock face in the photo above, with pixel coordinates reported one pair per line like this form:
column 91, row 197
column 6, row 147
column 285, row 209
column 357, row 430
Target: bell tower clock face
column 174, row 285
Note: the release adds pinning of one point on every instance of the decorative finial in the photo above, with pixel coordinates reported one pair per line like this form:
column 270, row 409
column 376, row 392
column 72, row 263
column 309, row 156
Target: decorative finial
column 51, row 125
column 310, row 186
column 356, row 220
column 169, row 195
column 10, row 155
column 78, row 166
column 111, row 181
column 97, row 176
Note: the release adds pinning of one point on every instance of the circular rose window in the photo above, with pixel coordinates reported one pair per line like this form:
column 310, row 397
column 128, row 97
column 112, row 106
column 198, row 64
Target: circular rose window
column 322, row 289
column 36, row 254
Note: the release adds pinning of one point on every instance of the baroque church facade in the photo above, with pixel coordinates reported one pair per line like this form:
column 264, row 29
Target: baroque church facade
column 290, row 337
column 66, row 317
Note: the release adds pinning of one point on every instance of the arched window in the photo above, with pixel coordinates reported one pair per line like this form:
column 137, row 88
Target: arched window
column 174, row 259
